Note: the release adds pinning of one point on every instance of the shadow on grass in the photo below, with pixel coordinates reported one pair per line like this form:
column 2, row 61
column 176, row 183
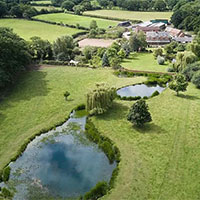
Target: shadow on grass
column 189, row 97
column 118, row 111
column 150, row 128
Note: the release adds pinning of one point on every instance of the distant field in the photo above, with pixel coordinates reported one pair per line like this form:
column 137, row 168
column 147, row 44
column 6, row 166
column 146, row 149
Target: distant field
column 132, row 15
column 47, row 8
column 28, row 29
column 95, row 42
column 41, row 2
column 76, row 19
column 143, row 62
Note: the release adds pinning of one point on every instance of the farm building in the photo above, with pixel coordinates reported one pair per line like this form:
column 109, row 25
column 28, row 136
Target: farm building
column 165, row 21
column 182, row 40
column 173, row 32
column 150, row 27
column 124, row 24
column 157, row 38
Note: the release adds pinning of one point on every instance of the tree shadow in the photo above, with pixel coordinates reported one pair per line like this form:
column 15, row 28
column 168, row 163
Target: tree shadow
column 150, row 128
column 189, row 97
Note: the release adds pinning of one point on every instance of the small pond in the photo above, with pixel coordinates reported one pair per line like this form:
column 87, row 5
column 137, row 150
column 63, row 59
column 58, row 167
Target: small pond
column 60, row 164
column 141, row 90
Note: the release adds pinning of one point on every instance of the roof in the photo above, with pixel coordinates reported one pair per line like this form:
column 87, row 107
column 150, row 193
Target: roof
column 126, row 23
column 158, row 37
column 182, row 39
column 173, row 31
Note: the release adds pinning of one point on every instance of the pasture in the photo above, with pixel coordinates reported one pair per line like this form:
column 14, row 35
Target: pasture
column 27, row 29
column 144, row 62
column 130, row 15
column 49, row 8
column 76, row 19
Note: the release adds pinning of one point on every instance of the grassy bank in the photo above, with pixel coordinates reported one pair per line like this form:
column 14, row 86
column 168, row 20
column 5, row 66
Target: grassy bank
column 131, row 15
column 76, row 19
column 144, row 62
column 27, row 29
column 37, row 102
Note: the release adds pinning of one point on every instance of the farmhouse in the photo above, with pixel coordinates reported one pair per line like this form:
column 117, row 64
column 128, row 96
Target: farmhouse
column 157, row 38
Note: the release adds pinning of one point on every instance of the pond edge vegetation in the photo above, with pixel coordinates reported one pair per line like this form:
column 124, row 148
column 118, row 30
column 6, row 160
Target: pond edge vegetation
column 104, row 143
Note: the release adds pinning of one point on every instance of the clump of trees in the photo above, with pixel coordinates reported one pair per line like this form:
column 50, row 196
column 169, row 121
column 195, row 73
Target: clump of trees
column 14, row 56
column 186, row 15
column 179, row 84
column 100, row 99
column 139, row 113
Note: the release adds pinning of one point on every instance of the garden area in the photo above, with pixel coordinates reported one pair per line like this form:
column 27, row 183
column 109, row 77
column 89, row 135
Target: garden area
column 143, row 62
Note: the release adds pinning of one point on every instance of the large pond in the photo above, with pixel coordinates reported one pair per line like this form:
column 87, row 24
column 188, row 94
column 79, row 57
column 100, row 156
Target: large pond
column 60, row 164
column 141, row 90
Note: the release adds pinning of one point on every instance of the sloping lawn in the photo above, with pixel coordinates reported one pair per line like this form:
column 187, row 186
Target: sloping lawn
column 131, row 15
column 37, row 102
column 144, row 62
column 27, row 29
column 160, row 161
column 76, row 19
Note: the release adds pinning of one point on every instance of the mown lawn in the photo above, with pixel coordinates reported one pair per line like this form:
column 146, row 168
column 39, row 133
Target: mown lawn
column 144, row 62
column 76, row 19
column 160, row 161
column 131, row 15
column 37, row 102
column 27, row 29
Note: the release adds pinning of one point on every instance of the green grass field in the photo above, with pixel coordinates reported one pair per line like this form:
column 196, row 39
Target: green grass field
column 27, row 29
column 47, row 8
column 160, row 161
column 131, row 15
column 76, row 19
column 144, row 62
column 41, row 2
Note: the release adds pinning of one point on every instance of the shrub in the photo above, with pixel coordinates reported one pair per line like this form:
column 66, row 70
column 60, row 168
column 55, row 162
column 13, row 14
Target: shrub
column 196, row 79
column 1, row 176
column 80, row 107
column 157, row 52
column 6, row 193
column 178, row 84
column 156, row 93
column 98, row 191
column 139, row 113
column 107, row 148
column 160, row 60
column 6, row 173
column 170, row 69
column 66, row 94
column 190, row 70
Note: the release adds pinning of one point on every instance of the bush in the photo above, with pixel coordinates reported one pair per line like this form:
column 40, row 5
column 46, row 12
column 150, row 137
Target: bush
column 170, row 69
column 6, row 173
column 1, row 176
column 139, row 113
column 156, row 93
column 66, row 94
column 190, row 70
column 80, row 107
column 160, row 60
column 6, row 193
column 98, row 191
column 107, row 148
column 157, row 52
column 196, row 79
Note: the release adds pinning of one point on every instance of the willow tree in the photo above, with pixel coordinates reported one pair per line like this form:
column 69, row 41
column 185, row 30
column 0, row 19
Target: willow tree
column 100, row 99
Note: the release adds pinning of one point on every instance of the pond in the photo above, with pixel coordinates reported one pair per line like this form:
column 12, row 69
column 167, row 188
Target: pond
column 141, row 90
column 59, row 164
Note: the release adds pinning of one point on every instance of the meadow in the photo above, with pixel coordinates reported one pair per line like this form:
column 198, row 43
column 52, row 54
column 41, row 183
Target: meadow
column 159, row 161
column 27, row 29
column 49, row 8
column 130, row 15
column 144, row 62
column 76, row 19
column 41, row 2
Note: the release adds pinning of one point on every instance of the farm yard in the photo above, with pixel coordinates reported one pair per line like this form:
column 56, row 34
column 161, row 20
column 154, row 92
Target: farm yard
column 130, row 15
column 144, row 62
column 28, row 29
column 95, row 42
column 75, row 19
